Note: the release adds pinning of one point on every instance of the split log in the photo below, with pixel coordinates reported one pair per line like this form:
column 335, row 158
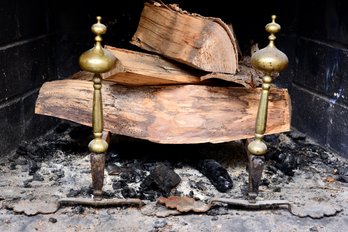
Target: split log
column 138, row 68
column 177, row 114
column 205, row 43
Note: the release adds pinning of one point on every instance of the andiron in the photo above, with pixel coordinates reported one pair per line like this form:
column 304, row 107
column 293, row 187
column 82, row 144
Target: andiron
column 270, row 61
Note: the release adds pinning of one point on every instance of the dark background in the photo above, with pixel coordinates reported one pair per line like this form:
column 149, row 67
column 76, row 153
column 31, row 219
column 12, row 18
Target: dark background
column 41, row 41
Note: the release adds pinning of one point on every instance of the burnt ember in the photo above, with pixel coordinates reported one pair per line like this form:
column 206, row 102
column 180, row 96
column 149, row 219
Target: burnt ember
column 161, row 178
column 217, row 175
column 153, row 179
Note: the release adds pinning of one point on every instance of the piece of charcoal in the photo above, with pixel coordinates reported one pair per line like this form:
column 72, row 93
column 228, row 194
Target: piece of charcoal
column 162, row 178
column 118, row 184
column 286, row 163
column 127, row 176
column 150, row 195
column 52, row 220
column 128, row 192
column 216, row 174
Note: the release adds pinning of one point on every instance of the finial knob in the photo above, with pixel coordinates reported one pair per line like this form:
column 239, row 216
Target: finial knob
column 269, row 59
column 98, row 28
column 273, row 27
column 97, row 59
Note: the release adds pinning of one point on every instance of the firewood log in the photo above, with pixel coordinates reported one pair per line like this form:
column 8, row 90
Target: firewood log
column 139, row 68
column 205, row 43
column 175, row 114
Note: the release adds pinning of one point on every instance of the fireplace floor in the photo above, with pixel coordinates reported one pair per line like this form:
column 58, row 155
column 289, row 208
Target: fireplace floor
column 57, row 166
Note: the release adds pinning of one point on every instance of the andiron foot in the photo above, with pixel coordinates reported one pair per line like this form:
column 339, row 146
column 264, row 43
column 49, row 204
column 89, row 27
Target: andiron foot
column 255, row 168
column 97, row 168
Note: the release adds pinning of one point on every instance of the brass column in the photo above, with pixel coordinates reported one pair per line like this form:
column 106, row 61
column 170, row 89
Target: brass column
column 97, row 60
column 270, row 61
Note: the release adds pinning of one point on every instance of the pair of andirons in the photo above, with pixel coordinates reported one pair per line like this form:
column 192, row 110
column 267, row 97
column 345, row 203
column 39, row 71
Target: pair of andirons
column 98, row 60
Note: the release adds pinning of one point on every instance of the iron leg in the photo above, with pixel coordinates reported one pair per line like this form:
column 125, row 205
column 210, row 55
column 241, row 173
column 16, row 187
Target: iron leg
column 255, row 168
column 97, row 166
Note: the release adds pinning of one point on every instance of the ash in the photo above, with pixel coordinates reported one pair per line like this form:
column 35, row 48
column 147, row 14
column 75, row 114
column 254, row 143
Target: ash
column 57, row 165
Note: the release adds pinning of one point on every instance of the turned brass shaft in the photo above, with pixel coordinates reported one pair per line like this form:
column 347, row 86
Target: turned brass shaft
column 97, row 145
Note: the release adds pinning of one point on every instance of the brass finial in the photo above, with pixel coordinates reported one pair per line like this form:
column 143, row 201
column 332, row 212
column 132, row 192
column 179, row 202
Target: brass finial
column 271, row 61
column 273, row 27
column 97, row 59
column 98, row 29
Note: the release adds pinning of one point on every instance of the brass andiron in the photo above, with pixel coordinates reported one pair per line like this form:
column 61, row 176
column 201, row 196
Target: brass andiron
column 97, row 60
column 270, row 61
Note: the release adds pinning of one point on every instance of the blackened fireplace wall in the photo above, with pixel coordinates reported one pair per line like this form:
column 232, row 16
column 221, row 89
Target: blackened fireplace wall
column 42, row 40
column 26, row 61
column 319, row 73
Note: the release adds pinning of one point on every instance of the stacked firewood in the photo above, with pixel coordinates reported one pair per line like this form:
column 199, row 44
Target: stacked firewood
column 186, row 86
